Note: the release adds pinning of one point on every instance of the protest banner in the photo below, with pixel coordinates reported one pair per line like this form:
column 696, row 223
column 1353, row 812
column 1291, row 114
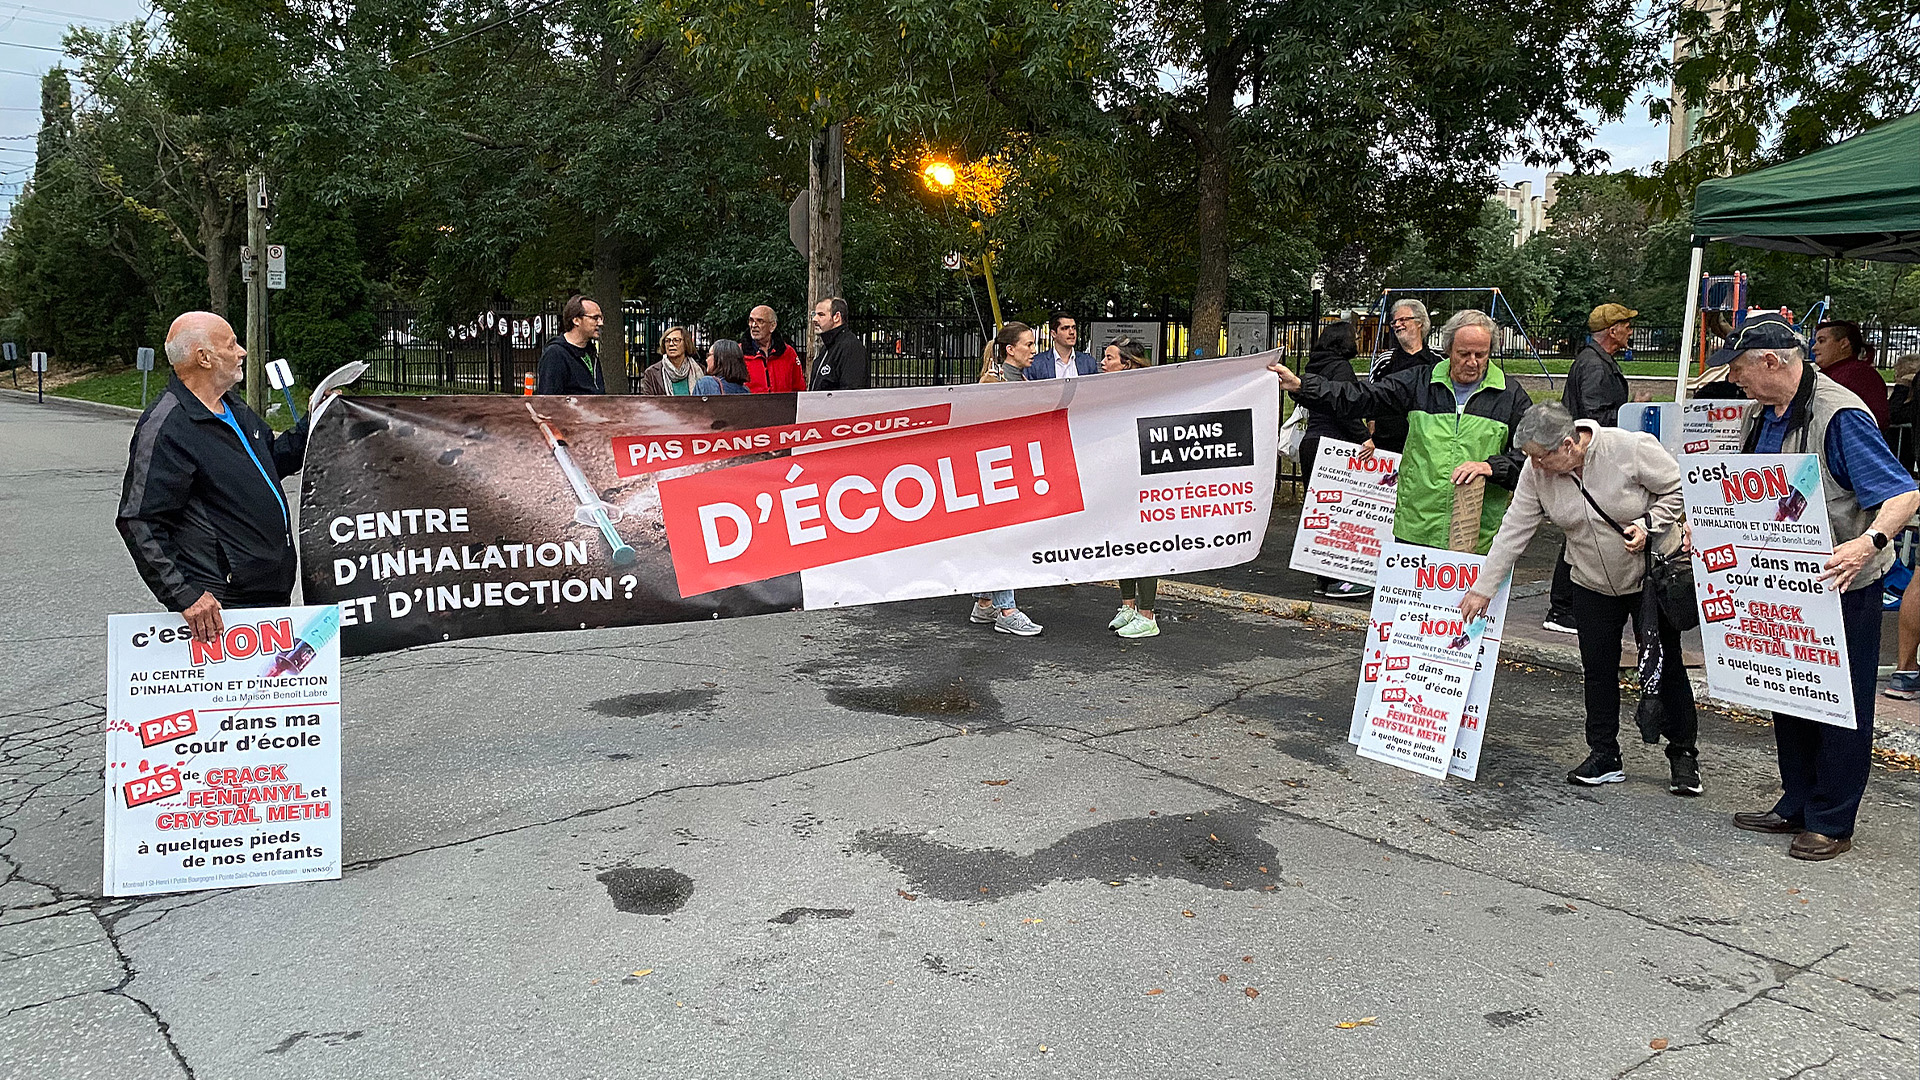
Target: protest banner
column 1427, row 668
column 1689, row 427
column 429, row 519
column 1771, row 631
column 223, row 758
column 1411, row 574
column 1348, row 513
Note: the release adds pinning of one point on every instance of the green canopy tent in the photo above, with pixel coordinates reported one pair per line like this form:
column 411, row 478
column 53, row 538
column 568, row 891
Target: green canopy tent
column 1858, row 199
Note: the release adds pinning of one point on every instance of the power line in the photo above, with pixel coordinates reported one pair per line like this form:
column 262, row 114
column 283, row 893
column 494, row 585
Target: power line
column 479, row 30
column 28, row 74
column 24, row 45
column 56, row 12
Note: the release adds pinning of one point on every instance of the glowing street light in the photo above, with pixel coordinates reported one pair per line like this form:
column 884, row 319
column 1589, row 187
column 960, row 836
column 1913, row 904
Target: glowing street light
column 939, row 175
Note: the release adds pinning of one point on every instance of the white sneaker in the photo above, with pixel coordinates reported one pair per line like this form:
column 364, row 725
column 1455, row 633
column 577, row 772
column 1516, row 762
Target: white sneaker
column 1016, row 623
column 1558, row 628
column 1141, row 627
column 1122, row 617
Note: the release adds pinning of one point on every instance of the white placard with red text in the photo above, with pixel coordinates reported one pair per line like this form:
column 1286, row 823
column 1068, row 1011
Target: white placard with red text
column 1771, row 632
column 1348, row 513
column 1411, row 574
column 223, row 759
column 1704, row 426
column 1426, row 672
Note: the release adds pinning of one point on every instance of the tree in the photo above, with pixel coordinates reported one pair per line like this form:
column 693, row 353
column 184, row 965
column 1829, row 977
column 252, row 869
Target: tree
column 1358, row 119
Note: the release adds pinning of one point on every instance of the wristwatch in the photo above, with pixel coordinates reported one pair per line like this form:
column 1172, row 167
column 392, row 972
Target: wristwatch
column 1879, row 538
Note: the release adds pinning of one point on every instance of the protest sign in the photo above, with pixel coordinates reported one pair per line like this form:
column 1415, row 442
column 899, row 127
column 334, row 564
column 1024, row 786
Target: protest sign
column 435, row 518
column 1411, row 574
column 1427, row 669
column 1348, row 513
column 1771, row 630
column 1689, row 427
column 223, row 758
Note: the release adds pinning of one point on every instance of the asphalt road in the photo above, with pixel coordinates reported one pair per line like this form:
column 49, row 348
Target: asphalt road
column 885, row 843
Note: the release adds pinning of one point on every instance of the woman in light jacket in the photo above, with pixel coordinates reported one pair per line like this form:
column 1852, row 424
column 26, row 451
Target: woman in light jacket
column 1008, row 356
column 676, row 372
column 1630, row 478
column 726, row 370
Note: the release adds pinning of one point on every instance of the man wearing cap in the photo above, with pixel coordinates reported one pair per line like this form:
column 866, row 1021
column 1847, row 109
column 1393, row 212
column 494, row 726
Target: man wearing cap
column 1595, row 390
column 1823, row 768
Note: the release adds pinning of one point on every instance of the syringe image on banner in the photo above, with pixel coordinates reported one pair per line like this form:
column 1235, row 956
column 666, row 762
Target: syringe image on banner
column 591, row 511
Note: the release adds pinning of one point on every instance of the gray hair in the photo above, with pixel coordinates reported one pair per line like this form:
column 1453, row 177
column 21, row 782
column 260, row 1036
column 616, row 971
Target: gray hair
column 1543, row 428
column 1465, row 318
column 187, row 334
column 1793, row 355
column 1419, row 312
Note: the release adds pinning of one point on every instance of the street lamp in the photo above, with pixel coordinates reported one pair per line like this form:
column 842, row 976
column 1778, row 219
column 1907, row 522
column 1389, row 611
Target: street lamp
column 941, row 177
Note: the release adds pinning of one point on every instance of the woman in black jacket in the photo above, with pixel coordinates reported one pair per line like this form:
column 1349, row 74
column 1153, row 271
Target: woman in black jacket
column 1332, row 359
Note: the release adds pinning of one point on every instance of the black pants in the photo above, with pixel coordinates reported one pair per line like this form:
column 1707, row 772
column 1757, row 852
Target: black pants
column 1140, row 591
column 1600, row 618
column 1560, row 599
column 1823, row 768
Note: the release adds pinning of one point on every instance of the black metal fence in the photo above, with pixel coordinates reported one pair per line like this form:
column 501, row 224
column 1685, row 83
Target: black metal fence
column 497, row 350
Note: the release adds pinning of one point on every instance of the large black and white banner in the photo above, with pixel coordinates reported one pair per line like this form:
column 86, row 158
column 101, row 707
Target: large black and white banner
column 435, row 518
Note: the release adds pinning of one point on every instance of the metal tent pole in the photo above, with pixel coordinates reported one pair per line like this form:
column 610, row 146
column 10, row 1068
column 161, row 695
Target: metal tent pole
column 1693, row 314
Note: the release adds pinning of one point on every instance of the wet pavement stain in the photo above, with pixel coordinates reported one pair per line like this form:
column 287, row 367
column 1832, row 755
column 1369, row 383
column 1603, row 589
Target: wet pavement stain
column 330, row 1038
column 1221, row 850
column 647, row 890
column 1506, row 1019
column 661, row 701
column 795, row 914
column 951, row 698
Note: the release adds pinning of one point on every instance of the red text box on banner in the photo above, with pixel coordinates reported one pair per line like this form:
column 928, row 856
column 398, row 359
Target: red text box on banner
column 769, row 518
column 637, row 454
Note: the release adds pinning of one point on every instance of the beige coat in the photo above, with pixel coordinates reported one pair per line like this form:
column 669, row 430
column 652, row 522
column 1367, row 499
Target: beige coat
column 1634, row 480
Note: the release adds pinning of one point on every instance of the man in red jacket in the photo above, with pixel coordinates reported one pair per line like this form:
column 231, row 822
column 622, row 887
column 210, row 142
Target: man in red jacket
column 773, row 367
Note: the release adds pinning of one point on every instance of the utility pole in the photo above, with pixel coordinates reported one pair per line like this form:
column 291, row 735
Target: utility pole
column 826, row 168
column 255, row 385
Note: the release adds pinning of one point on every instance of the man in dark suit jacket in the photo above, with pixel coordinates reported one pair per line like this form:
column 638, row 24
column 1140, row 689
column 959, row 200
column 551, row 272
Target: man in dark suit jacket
column 1063, row 361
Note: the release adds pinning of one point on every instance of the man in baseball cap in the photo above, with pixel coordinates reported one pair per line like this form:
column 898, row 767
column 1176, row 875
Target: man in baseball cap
column 1870, row 497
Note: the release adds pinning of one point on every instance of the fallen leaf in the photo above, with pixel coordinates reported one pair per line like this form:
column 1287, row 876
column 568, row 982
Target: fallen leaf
column 1345, row 1025
column 1188, row 914
column 1258, row 734
column 1155, row 991
column 1263, row 869
column 1116, row 884
column 1657, row 1044
column 1251, row 992
column 1223, row 978
column 1790, row 892
column 1213, row 838
column 905, row 895
column 1246, row 959
column 1043, row 1048
column 1368, row 1019
column 642, row 971
column 998, row 783
column 1030, row 922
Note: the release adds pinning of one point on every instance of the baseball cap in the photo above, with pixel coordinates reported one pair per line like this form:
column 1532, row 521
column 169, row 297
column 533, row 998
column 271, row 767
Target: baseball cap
column 1608, row 314
column 1768, row 331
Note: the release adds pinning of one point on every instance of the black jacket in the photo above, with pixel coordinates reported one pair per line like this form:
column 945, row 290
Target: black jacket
column 563, row 369
column 843, row 362
column 1332, row 366
column 196, row 513
column 1595, row 387
column 1390, row 430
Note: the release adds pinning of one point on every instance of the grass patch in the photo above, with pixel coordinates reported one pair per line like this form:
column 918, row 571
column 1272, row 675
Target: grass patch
column 123, row 388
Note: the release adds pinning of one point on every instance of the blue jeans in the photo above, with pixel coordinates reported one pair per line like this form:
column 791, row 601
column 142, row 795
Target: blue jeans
column 1823, row 769
column 1002, row 600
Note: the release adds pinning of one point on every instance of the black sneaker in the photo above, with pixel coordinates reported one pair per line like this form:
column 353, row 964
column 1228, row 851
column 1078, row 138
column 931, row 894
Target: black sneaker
column 1599, row 768
column 1686, row 775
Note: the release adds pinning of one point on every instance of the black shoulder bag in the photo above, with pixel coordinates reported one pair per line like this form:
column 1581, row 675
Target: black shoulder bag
column 1669, row 576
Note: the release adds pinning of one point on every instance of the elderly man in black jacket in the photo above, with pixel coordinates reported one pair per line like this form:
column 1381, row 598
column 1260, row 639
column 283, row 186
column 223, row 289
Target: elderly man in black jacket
column 202, row 510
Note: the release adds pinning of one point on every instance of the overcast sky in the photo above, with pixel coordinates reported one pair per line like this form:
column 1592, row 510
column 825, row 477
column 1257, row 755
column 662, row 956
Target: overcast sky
column 30, row 34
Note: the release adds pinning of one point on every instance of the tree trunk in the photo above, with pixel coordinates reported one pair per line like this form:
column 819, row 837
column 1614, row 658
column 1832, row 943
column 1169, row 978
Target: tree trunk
column 1213, row 145
column 216, row 218
column 606, row 290
column 824, row 168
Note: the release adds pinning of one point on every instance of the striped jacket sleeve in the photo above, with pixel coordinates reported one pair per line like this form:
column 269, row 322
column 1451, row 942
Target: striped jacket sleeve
column 158, row 483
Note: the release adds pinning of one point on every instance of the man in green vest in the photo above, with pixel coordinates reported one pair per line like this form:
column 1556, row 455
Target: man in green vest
column 1460, row 416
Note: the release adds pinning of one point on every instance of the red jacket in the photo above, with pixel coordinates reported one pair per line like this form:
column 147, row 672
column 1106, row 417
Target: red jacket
column 778, row 373
column 1864, row 380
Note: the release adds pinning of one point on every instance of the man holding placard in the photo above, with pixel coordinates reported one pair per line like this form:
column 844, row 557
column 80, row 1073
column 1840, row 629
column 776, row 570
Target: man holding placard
column 1869, row 496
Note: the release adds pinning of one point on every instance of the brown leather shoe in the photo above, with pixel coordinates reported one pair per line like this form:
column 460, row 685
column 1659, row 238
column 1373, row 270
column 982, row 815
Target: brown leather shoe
column 1814, row 847
column 1768, row 822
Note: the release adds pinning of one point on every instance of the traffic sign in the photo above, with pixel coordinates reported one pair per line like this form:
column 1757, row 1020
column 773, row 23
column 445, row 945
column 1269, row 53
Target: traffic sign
column 276, row 266
column 143, row 360
column 39, row 362
column 952, row 260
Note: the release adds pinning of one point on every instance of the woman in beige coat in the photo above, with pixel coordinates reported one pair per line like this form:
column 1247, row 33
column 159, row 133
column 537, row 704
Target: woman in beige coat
column 1579, row 475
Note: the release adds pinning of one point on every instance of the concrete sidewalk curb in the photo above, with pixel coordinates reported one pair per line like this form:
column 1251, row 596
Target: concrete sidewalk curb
column 1899, row 742
column 117, row 411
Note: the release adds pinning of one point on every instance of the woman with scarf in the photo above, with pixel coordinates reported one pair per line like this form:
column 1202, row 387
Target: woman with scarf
column 675, row 372
column 1611, row 492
